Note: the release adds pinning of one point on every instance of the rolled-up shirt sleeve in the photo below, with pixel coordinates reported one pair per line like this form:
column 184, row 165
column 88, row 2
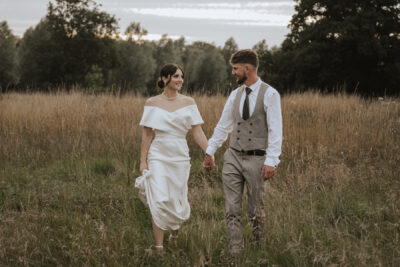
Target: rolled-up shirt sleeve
column 272, row 106
column 224, row 126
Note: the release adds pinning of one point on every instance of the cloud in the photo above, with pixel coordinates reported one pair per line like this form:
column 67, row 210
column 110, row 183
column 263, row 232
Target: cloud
column 281, row 6
column 157, row 36
column 208, row 20
column 251, row 13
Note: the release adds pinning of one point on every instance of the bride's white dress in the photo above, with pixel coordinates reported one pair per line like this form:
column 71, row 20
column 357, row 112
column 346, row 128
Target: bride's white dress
column 164, row 187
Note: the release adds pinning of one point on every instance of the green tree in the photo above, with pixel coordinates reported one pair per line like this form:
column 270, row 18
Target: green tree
column 230, row 47
column 134, row 29
column 334, row 43
column 38, row 57
column 136, row 67
column 84, row 33
column 72, row 45
column 167, row 50
column 266, row 61
column 191, row 63
column 205, row 69
column 8, row 57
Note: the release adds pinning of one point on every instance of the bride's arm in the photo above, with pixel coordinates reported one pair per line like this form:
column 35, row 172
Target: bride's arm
column 147, row 136
column 199, row 137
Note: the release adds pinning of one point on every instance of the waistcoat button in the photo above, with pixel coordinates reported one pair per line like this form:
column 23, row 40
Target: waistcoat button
column 249, row 139
column 237, row 138
column 238, row 123
column 250, row 132
column 251, row 123
column 238, row 131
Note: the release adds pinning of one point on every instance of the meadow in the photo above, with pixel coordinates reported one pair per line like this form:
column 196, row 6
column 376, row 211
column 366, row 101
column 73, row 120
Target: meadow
column 68, row 163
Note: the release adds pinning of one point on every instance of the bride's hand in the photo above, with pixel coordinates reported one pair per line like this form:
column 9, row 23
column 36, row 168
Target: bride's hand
column 143, row 166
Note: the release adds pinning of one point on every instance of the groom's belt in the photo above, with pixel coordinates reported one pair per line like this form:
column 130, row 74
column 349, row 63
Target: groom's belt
column 256, row 152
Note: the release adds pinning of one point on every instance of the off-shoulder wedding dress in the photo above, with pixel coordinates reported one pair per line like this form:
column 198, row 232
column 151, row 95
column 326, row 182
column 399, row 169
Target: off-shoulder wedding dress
column 163, row 188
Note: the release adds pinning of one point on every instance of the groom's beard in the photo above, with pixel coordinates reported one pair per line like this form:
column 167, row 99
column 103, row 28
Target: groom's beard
column 241, row 80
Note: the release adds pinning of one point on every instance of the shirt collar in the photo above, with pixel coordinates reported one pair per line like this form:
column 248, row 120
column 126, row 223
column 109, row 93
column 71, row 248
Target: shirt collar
column 255, row 86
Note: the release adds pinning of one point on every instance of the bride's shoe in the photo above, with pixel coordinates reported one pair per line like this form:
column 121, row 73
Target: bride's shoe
column 159, row 249
column 172, row 238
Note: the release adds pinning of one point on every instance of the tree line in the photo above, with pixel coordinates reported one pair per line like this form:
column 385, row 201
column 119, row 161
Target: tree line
column 332, row 45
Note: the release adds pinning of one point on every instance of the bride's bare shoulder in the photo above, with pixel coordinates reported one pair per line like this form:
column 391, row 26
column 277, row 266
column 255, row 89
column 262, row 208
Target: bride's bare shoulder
column 153, row 101
column 187, row 100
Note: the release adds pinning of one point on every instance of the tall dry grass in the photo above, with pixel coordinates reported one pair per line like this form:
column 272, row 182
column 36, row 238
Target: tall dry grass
column 67, row 164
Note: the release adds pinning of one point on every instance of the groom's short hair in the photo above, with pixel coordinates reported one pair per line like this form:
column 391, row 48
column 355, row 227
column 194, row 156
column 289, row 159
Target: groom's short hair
column 245, row 56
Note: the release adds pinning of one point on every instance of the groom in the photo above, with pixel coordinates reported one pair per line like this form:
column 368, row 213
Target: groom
column 252, row 114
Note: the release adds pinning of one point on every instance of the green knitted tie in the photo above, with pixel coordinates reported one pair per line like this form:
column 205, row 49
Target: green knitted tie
column 246, row 109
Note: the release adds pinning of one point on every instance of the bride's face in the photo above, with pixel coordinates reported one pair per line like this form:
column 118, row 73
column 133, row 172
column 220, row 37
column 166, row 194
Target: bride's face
column 176, row 80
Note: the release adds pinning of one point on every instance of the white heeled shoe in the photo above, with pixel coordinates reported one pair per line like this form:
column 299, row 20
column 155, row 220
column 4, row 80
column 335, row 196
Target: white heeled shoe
column 172, row 238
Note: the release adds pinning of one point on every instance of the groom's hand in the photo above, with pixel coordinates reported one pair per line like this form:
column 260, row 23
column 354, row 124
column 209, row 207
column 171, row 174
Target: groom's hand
column 267, row 172
column 208, row 162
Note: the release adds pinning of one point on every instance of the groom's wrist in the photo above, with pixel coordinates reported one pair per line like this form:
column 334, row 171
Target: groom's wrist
column 210, row 151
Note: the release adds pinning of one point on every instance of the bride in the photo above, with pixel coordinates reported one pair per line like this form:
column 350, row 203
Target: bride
column 164, row 160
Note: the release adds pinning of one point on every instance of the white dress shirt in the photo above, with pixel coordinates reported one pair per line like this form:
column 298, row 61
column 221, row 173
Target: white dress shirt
column 272, row 107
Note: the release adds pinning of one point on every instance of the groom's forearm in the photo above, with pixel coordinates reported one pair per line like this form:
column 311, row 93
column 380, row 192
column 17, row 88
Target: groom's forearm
column 219, row 137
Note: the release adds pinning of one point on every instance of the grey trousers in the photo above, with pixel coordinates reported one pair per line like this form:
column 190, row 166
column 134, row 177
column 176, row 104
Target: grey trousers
column 237, row 171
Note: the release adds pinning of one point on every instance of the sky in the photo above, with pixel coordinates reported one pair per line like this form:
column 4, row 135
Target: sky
column 213, row 21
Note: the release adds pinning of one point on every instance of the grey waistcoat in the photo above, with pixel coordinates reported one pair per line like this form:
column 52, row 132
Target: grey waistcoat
column 252, row 133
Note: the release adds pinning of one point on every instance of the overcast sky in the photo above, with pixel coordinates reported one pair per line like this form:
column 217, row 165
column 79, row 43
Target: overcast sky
column 214, row 21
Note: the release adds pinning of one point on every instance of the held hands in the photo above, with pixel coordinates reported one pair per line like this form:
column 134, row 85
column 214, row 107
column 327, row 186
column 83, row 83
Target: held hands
column 208, row 163
column 267, row 172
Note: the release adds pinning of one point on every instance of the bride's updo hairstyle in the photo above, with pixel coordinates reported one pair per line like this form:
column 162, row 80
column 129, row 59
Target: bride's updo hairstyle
column 167, row 69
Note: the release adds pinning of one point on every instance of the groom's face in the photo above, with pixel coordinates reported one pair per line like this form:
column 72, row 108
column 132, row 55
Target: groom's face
column 239, row 71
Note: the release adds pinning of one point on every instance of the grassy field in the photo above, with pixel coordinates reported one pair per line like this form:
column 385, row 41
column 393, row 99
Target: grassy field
column 68, row 164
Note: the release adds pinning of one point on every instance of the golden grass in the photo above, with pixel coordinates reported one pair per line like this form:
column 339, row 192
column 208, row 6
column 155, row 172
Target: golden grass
column 66, row 195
